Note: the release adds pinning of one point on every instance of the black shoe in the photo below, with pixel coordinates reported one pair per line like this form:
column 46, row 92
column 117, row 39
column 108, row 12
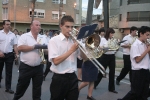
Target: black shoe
column 117, row 82
column 119, row 99
column 9, row 91
column 90, row 98
column 43, row 77
column 0, row 85
column 114, row 91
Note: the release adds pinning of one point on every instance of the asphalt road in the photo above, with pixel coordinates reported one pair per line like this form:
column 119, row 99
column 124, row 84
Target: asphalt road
column 101, row 93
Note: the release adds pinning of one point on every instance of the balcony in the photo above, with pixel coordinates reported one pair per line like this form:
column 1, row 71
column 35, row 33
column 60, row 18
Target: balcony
column 139, row 19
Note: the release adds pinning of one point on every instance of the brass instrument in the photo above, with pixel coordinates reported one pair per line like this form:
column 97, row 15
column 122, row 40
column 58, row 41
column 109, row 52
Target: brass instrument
column 133, row 40
column 113, row 44
column 147, row 42
column 91, row 47
column 41, row 52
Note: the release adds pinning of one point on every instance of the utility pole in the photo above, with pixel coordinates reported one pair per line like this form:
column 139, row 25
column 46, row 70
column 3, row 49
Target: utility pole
column 33, row 7
column 60, row 10
column 14, row 14
column 106, row 13
column 89, row 12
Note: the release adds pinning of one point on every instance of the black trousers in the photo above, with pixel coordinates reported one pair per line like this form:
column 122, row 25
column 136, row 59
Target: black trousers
column 48, row 65
column 140, row 85
column 126, row 68
column 64, row 86
column 8, row 60
column 26, row 73
column 107, row 60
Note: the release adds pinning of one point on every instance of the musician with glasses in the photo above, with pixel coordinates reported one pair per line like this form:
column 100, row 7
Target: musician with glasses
column 130, row 38
column 62, row 50
column 30, row 62
column 108, row 59
column 139, row 56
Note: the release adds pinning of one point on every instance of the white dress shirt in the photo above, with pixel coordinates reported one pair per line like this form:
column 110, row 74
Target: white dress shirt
column 7, row 41
column 104, row 44
column 47, row 38
column 137, row 49
column 57, row 46
column 17, row 36
column 130, row 39
column 31, row 58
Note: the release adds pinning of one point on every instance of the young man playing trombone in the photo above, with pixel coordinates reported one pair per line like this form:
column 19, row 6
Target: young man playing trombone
column 63, row 54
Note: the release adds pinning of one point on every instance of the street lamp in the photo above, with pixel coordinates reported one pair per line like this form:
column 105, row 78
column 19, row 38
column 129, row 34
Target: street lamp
column 75, row 5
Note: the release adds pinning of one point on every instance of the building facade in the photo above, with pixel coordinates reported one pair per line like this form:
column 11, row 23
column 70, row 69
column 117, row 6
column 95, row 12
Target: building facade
column 46, row 11
column 130, row 13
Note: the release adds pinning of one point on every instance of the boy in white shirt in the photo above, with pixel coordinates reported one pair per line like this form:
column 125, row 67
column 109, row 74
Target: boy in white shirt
column 140, row 67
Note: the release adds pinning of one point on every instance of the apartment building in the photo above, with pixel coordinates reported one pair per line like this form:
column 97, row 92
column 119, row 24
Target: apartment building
column 130, row 13
column 46, row 11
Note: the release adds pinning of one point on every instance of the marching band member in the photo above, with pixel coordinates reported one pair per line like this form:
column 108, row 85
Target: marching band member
column 139, row 55
column 126, row 54
column 79, row 62
column 89, row 75
column 8, row 41
column 63, row 55
column 48, row 64
column 108, row 59
column 101, row 34
column 30, row 62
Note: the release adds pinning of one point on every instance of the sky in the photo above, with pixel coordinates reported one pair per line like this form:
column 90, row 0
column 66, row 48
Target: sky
column 95, row 11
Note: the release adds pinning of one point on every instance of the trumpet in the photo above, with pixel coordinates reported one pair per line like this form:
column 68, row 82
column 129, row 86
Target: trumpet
column 91, row 47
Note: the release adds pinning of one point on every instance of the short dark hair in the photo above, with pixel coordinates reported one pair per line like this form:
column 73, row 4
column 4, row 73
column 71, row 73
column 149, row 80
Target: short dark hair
column 4, row 21
column 66, row 18
column 143, row 30
column 108, row 31
column 101, row 30
column 133, row 28
column 16, row 30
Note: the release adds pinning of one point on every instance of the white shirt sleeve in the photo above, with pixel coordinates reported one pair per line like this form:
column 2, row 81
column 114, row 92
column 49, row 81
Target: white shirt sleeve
column 126, row 42
column 134, row 52
column 52, row 50
column 22, row 40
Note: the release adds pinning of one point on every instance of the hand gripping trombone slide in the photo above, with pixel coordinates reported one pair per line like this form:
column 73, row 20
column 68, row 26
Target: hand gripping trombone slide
column 93, row 52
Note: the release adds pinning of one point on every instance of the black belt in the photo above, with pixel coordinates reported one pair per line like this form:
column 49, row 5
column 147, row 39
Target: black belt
column 8, row 53
column 65, row 75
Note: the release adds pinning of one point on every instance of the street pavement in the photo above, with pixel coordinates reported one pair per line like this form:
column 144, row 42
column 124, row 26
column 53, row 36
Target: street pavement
column 100, row 93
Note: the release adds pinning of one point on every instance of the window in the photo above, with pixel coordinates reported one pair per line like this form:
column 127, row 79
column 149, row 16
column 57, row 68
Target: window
column 138, row 1
column 120, row 2
column 40, row 0
column 58, row 1
column 5, row 13
column 55, row 14
column 4, row 2
column 120, row 17
column 38, row 13
column 138, row 16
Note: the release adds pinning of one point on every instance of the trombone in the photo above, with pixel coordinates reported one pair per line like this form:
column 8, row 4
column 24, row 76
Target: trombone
column 93, row 52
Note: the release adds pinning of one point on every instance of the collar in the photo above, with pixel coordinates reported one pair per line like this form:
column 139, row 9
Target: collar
column 62, row 37
column 139, row 42
column 8, row 32
column 29, row 33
